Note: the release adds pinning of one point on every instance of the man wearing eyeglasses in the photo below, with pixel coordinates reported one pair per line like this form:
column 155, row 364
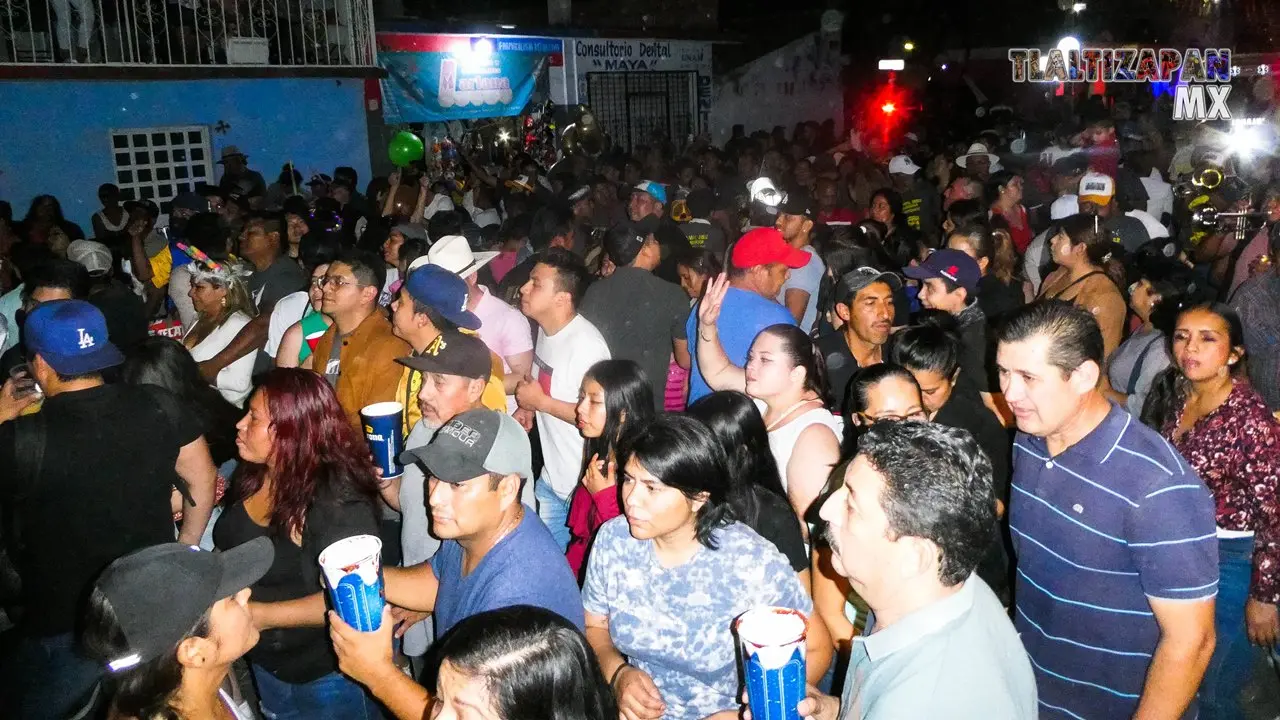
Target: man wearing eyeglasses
column 357, row 355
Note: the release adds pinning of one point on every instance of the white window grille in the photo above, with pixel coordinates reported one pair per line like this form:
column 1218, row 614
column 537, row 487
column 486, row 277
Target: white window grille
column 159, row 163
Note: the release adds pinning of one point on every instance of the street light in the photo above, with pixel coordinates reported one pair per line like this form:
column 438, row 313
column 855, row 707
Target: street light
column 1068, row 43
column 908, row 46
column 1079, row 7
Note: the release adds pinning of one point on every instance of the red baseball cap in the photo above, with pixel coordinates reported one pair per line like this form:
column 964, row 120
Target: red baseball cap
column 764, row 246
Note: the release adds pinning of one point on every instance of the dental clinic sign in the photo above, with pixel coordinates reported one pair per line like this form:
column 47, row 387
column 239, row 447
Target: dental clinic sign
column 1200, row 77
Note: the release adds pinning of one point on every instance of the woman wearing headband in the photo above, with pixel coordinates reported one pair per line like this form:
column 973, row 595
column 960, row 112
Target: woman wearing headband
column 223, row 307
column 167, row 622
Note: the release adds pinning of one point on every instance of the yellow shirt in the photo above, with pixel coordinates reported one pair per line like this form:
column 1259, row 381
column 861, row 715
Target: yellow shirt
column 494, row 396
column 161, row 267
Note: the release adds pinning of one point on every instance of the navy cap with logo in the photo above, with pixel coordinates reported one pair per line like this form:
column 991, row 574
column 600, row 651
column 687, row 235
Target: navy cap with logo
column 444, row 292
column 159, row 593
column 474, row 443
column 71, row 336
column 453, row 353
column 948, row 264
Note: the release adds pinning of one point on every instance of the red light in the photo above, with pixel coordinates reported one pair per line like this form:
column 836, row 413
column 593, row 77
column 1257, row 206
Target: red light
column 888, row 108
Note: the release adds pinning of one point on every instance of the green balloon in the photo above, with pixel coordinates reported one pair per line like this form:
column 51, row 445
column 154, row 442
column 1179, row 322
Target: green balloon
column 405, row 148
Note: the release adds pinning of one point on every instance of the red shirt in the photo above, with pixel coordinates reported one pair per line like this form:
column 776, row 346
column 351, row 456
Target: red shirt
column 1019, row 228
column 839, row 216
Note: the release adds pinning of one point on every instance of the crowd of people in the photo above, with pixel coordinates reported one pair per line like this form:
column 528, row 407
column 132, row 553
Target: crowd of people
column 998, row 422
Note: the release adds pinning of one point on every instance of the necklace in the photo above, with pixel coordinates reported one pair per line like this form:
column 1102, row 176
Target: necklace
column 783, row 417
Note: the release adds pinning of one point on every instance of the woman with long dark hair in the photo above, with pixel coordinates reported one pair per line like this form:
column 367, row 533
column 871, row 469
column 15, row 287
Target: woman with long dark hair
column 755, row 489
column 665, row 582
column 787, row 377
column 168, row 655
column 1205, row 406
column 166, row 363
column 999, row 291
column 615, row 395
column 526, row 662
column 307, row 481
column 43, row 218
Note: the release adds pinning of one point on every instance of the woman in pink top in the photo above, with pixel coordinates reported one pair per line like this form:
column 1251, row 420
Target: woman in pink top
column 615, row 395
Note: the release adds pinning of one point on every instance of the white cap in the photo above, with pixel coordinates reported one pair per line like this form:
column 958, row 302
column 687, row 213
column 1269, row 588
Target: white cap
column 1153, row 226
column 1098, row 186
column 1063, row 207
column 453, row 253
column 94, row 256
column 903, row 165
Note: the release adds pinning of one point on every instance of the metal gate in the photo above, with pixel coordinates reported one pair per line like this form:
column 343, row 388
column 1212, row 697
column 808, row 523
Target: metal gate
column 641, row 107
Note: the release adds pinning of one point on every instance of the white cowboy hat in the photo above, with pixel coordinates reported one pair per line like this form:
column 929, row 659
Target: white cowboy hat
column 453, row 253
column 974, row 150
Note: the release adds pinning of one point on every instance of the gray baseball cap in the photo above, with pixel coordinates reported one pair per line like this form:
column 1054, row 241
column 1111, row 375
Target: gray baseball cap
column 856, row 279
column 474, row 443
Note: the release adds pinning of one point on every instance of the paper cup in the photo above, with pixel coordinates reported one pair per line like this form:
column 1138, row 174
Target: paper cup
column 353, row 572
column 773, row 659
column 382, row 429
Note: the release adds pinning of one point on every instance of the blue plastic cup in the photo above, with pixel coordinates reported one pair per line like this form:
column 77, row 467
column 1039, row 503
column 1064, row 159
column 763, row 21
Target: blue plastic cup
column 773, row 657
column 353, row 573
column 382, row 429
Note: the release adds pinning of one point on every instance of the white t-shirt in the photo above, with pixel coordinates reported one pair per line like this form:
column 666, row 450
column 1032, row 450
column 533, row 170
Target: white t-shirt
column 559, row 362
column 235, row 381
column 288, row 310
column 438, row 203
column 179, row 287
column 1159, row 195
column 505, row 330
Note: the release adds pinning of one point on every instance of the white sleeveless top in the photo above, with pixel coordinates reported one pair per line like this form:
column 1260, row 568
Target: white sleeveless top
column 782, row 441
column 111, row 227
column 243, row 711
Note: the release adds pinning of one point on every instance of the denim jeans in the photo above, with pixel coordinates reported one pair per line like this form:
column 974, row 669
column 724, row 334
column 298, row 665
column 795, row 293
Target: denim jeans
column 554, row 511
column 332, row 697
column 50, row 678
column 1232, row 663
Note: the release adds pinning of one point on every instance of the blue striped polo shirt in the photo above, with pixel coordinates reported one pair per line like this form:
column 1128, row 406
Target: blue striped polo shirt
column 1111, row 521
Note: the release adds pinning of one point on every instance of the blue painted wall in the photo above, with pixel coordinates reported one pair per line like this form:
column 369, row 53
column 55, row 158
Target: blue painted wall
column 54, row 134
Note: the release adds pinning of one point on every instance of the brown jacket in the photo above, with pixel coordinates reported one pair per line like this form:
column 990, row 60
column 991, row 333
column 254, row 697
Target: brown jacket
column 1096, row 293
column 368, row 372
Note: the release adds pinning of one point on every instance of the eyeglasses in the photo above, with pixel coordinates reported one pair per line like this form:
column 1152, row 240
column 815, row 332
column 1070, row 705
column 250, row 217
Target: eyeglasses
column 318, row 282
column 335, row 282
column 918, row 415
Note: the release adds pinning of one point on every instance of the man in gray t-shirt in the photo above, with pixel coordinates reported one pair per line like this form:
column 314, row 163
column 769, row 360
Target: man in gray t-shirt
column 908, row 526
column 800, row 293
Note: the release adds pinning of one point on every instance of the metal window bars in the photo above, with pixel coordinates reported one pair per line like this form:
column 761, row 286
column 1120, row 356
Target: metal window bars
column 326, row 33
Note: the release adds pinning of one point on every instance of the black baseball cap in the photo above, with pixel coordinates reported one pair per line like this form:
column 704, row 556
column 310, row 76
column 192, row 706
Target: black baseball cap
column 797, row 203
column 623, row 242
column 453, row 353
column 159, row 593
column 474, row 443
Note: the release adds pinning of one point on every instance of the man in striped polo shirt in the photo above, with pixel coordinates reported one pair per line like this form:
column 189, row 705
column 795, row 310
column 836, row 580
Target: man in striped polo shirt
column 1114, row 533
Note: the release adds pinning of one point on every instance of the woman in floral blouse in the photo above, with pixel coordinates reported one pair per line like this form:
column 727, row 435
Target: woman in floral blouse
column 1206, row 407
